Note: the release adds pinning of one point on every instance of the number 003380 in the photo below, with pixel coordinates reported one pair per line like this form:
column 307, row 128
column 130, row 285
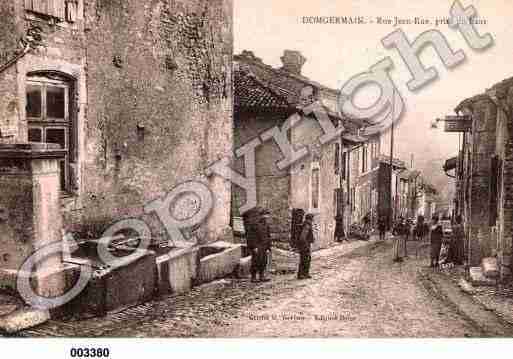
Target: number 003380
column 90, row 352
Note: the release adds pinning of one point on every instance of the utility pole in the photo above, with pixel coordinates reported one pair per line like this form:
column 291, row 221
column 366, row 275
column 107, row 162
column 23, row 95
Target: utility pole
column 391, row 163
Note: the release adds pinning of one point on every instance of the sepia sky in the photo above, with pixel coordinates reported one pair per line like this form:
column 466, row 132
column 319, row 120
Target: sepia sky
column 336, row 52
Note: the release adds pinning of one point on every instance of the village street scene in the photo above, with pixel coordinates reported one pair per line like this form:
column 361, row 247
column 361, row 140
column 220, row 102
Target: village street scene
column 177, row 169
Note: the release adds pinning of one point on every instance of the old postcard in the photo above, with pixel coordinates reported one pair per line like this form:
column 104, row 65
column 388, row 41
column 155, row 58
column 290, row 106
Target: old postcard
column 249, row 169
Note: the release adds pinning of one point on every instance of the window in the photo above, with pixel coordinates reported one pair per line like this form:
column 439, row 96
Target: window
column 494, row 189
column 59, row 9
column 364, row 158
column 315, row 186
column 48, row 116
column 353, row 199
column 339, row 201
column 337, row 158
column 71, row 10
column 343, row 165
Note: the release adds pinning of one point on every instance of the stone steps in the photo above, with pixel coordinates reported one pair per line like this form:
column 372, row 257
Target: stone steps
column 478, row 278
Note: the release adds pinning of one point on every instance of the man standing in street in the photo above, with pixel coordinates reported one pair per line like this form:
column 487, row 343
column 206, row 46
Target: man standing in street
column 382, row 227
column 265, row 243
column 340, row 236
column 306, row 238
column 436, row 242
column 258, row 241
column 400, row 240
column 458, row 233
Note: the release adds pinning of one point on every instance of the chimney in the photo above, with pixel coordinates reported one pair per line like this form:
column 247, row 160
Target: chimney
column 293, row 61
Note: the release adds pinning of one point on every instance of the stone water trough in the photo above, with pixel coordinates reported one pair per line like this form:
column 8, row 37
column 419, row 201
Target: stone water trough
column 218, row 260
column 112, row 288
column 160, row 270
column 177, row 268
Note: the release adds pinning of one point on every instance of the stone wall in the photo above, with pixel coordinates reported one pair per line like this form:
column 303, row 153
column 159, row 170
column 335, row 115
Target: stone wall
column 483, row 148
column 272, row 184
column 307, row 133
column 10, row 46
column 160, row 90
column 504, row 151
column 153, row 101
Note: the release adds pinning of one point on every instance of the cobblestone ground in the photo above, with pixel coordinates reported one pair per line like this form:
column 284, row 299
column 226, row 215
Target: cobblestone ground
column 356, row 291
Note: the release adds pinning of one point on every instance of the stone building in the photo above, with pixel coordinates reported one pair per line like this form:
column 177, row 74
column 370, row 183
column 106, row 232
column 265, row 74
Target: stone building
column 364, row 191
column 483, row 175
column 478, row 149
column 266, row 97
column 375, row 193
column 138, row 93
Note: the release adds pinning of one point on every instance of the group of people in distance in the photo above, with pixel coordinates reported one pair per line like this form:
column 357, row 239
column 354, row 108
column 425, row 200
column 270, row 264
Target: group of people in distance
column 258, row 240
column 454, row 242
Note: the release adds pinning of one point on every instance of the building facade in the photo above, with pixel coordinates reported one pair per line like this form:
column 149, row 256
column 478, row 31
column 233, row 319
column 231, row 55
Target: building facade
column 483, row 175
column 266, row 97
column 138, row 93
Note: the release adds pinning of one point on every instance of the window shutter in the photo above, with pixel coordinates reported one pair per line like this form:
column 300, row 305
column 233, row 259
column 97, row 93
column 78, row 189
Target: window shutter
column 29, row 5
column 56, row 8
column 71, row 9
column 40, row 6
column 493, row 190
column 337, row 158
column 59, row 9
column 343, row 166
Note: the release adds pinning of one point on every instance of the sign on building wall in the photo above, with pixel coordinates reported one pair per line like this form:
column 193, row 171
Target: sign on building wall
column 8, row 131
column 458, row 123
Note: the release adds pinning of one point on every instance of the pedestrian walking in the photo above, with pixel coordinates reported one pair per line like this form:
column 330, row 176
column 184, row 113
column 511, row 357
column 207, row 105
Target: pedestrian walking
column 399, row 240
column 436, row 242
column 366, row 226
column 419, row 229
column 340, row 234
column 458, row 240
column 306, row 238
column 382, row 227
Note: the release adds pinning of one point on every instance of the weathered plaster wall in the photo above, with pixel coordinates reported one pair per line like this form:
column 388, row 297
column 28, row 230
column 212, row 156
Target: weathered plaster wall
column 153, row 95
column 159, row 88
column 504, row 150
column 10, row 34
column 483, row 147
column 307, row 133
column 272, row 184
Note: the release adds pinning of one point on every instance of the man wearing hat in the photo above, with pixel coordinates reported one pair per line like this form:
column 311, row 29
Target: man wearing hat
column 261, row 246
column 306, row 238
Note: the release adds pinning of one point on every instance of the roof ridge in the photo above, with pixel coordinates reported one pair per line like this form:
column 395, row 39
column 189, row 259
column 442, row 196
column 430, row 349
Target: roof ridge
column 249, row 56
column 267, row 85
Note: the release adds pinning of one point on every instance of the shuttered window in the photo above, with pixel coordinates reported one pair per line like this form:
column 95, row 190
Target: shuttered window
column 495, row 176
column 337, row 158
column 49, row 119
column 343, row 165
column 71, row 10
column 54, row 8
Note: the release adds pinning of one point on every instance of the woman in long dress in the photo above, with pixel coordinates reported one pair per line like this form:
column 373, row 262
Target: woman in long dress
column 458, row 241
column 436, row 242
column 399, row 240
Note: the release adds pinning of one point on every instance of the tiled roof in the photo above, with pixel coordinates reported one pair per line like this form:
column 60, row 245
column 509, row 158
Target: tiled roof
column 250, row 92
column 355, row 139
column 469, row 101
column 395, row 161
column 405, row 174
column 279, row 76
